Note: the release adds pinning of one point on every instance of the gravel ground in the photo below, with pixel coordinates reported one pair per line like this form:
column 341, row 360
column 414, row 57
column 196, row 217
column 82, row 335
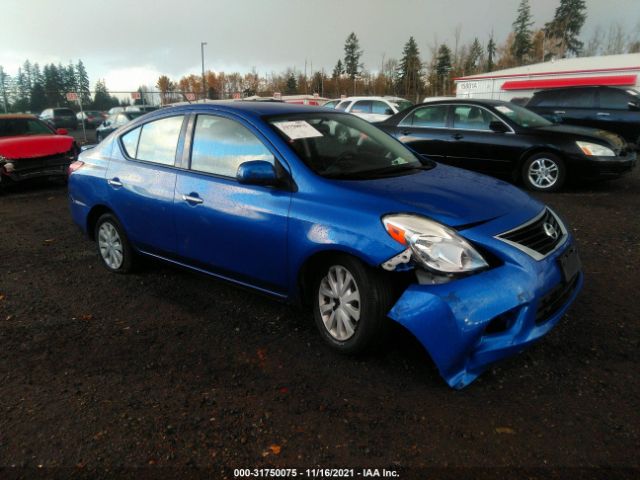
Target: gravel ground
column 103, row 374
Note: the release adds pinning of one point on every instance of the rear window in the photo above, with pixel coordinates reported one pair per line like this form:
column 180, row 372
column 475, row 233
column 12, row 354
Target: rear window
column 613, row 99
column 23, row 126
column 578, row 98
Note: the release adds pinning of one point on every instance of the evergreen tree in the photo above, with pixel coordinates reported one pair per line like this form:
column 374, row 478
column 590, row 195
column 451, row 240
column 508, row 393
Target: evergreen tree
column 409, row 78
column 352, row 54
column 338, row 69
column 5, row 82
column 292, row 83
column 491, row 53
column 565, row 27
column 521, row 47
column 38, row 100
column 26, row 72
column 82, row 82
column 443, row 67
column 473, row 58
column 23, row 92
column 102, row 100
column 51, row 83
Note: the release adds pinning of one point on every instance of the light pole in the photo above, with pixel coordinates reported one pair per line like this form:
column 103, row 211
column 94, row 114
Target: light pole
column 204, row 88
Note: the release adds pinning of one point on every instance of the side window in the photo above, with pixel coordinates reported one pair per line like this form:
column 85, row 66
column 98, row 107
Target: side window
column 612, row 99
column 549, row 98
column 220, row 145
column 159, row 140
column 585, row 98
column 428, row 117
column 381, row 108
column 130, row 142
column 469, row 117
column 361, row 106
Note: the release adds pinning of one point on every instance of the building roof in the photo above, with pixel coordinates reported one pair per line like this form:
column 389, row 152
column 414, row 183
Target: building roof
column 606, row 63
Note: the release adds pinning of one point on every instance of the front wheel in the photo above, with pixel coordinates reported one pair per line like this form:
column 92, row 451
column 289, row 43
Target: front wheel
column 544, row 172
column 350, row 304
column 113, row 245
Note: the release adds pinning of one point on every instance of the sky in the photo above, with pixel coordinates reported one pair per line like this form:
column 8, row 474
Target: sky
column 131, row 43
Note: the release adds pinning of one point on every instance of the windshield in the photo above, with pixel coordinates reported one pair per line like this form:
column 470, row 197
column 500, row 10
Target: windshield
column 132, row 115
column 522, row 116
column 344, row 146
column 10, row 127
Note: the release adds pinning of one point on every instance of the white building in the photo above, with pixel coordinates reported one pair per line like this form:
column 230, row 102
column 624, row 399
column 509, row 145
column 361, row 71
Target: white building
column 521, row 82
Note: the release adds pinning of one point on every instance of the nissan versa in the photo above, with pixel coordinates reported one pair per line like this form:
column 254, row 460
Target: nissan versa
column 268, row 195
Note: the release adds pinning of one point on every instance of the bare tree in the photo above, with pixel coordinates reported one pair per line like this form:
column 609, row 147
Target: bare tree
column 594, row 44
column 616, row 39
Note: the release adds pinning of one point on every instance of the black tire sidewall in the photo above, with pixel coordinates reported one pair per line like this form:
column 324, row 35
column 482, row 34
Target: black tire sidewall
column 127, row 251
column 562, row 172
column 373, row 306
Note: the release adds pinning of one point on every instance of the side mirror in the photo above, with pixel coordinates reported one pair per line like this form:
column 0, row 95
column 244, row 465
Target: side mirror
column 62, row 131
column 257, row 172
column 498, row 127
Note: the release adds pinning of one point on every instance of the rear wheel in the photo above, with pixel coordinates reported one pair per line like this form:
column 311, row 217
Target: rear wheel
column 113, row 245
column 543, row 172
column 350, row 304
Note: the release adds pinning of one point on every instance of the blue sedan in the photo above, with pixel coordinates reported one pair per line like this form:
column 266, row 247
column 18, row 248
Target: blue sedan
column 320, row 207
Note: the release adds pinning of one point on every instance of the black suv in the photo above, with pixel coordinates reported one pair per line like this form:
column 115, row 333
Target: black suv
column 607, row 108
column 60, row 118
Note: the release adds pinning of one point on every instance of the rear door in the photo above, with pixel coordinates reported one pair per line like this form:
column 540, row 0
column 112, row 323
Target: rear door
column 425, row 131
column 141, row 178
column 618, row 111
column 236, row 231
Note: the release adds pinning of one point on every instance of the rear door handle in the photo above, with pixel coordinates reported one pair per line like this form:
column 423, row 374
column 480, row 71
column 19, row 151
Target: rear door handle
column 457, row 136
column 559, row 112
column 602, row 114
column 192, row 199
column 114, row 182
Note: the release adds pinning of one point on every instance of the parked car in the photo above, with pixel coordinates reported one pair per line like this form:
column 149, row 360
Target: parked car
column 373, row 109
column 90, row 118
column 608, row 108
column 141, row 108
column 114, row 110
column 113, row 122
column 504, row 139
column 332, row 104
column 264, row 196
column 29, row 148
column 60, row 118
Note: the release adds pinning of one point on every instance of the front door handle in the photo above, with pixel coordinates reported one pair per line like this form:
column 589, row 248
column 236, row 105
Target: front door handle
column 559, row 112
column 192, row 199
column 457, row 136
column 602, row 114
column 114, row 182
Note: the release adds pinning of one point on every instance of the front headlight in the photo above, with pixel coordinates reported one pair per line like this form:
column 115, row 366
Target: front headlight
column 595, row 149
column 432, row 245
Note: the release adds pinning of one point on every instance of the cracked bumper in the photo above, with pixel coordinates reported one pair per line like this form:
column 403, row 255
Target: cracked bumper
column 470, row 323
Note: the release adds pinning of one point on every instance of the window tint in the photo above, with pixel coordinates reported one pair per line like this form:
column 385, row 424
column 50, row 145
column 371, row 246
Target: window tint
column 381, row 108
column 614, row 99
column 469, row 117
column 435, row 117
column 220, row 145
column 130, row 142
column 549, row 98
column 584, row 98
column 361, row 106
column 159, row 140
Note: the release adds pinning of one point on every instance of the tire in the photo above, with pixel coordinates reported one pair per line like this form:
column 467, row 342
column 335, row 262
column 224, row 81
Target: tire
column 114, row 249
column 360, row 326
column 544, row 172
column 98, row 138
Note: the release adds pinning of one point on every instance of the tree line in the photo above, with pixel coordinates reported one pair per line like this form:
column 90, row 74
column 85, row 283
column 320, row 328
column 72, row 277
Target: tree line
column 409, row 76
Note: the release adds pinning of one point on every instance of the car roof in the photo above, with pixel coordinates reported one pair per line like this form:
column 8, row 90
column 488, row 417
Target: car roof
column 252, row 108
column 469, row 101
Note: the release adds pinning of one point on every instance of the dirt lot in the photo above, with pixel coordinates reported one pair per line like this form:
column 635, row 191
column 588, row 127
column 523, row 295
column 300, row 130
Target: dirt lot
column 168, row 368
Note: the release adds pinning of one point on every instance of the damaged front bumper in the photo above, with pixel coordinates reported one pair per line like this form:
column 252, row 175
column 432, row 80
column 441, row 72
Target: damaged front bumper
column 469, row 323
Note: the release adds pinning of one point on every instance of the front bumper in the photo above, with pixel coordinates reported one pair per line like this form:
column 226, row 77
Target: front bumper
column 604, row 167
column 470, row 323
column 26, row 169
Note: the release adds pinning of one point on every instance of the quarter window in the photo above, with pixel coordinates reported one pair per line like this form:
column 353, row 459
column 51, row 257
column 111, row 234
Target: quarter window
column 427, row 117
column 157, row 141
column 220, row 145
column 612, row 99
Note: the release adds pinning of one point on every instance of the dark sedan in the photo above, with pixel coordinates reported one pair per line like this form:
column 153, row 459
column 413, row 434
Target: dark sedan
column 113, row 122
column 505, row 139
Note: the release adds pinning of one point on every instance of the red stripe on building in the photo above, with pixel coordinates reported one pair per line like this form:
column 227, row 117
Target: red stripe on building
column 538, row 74
column 617, row 80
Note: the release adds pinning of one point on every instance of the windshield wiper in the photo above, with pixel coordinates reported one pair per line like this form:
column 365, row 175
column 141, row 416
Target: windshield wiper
column 391, row 170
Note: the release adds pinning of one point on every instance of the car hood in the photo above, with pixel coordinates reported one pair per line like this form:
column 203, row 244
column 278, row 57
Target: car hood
column 33, row 146
column 452, row 196
column 585, row 132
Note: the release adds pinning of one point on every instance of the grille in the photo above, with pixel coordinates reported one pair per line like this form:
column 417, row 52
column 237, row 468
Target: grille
column 554, row 300
column 537, row 236
column 25, row 165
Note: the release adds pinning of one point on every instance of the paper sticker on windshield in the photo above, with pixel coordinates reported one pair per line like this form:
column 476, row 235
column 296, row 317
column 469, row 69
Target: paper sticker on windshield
column 503, row 109
column 298, row 129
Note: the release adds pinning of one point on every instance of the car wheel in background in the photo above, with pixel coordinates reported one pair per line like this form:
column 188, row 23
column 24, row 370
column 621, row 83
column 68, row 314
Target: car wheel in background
column 350, row 304
column 544, row 172
column 113, row 246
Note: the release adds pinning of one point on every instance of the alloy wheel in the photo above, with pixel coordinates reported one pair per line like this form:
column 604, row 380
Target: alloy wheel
column 110, row 245
column 543, row 173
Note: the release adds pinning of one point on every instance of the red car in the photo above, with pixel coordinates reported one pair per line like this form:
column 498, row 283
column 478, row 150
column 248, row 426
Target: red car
column 29, row 148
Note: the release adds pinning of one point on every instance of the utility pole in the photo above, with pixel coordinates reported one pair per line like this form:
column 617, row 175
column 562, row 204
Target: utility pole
column 204, row 88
